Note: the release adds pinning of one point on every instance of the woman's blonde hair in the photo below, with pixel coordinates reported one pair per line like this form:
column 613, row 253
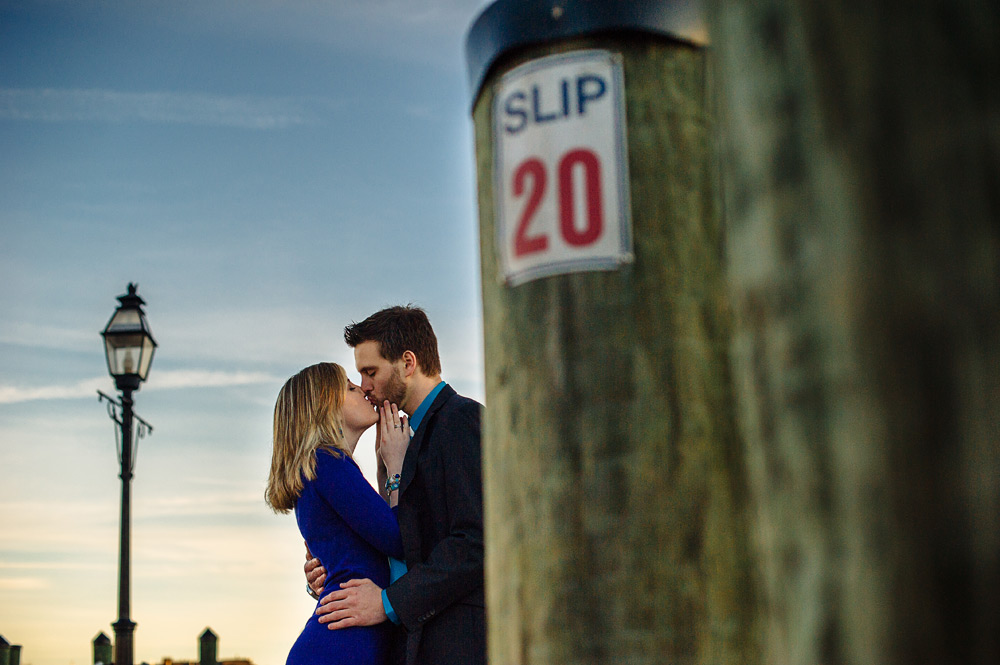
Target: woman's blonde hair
column 308, row 416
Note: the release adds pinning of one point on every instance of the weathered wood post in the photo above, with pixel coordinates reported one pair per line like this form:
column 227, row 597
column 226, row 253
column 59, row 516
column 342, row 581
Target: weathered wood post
column 864, row 245
column 612, row 472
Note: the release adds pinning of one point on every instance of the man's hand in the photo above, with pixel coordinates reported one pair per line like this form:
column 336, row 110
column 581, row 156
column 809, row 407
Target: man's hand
column 315, row 573
column 356, row 603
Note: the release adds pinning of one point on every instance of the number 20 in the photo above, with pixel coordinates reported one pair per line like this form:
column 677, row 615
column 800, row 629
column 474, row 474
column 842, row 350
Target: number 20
column 533, row 168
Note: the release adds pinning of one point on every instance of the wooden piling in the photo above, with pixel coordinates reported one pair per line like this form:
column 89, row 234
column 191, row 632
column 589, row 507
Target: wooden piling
column 612, row 469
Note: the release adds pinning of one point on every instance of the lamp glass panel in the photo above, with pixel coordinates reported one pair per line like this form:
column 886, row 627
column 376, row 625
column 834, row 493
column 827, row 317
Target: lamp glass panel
column 124, row 353
column 146, row 357
column 125, row 319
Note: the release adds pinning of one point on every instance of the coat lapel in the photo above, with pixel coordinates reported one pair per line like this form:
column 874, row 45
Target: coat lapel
column 417, row 442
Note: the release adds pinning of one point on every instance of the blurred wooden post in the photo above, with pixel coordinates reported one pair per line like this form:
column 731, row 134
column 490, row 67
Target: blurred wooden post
column 612, row 470
column 4, row 651
column 864, row 243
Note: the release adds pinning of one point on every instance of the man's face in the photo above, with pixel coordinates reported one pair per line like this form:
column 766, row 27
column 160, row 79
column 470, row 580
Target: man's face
column 380, row 379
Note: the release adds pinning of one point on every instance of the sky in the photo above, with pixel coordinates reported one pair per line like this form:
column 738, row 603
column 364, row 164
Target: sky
column 267, row 172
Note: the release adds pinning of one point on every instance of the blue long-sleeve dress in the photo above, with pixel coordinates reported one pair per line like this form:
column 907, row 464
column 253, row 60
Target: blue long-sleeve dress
column 352, row 531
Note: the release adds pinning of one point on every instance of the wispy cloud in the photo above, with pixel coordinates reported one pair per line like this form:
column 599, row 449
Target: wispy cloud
column 159, row 107
column 14, row 394
column 436, row 17
column 433, row 13
column 209, row 379
column 166, row 380
column 421, row 111
column 22, row 583
column 205, row 505
column 42, row 336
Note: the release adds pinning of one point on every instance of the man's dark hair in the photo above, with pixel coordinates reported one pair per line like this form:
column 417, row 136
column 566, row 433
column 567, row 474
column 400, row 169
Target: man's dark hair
column 398, row 329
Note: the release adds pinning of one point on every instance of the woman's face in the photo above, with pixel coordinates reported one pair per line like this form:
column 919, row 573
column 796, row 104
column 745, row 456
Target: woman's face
column 359, row 414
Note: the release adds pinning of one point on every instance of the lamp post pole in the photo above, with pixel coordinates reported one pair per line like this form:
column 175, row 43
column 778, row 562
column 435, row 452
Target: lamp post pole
column 124, row 626
column 129, row 347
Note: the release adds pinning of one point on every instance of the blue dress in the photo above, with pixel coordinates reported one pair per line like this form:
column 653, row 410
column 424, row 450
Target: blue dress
column 352, row 531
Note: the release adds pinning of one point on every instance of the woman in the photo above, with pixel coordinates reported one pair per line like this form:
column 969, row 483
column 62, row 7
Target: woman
column 318, row 418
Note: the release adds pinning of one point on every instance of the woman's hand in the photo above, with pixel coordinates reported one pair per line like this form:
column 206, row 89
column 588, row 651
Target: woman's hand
column 394, row 432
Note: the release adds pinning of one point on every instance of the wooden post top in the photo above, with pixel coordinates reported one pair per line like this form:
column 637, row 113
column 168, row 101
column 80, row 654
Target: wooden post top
column 509, row 24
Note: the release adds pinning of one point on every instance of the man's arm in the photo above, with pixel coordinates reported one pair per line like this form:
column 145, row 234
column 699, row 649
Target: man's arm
column 356, row 603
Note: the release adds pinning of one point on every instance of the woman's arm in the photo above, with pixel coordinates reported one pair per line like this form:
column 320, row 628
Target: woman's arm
column 342, row 485
column 394, row 435
column 381, row 473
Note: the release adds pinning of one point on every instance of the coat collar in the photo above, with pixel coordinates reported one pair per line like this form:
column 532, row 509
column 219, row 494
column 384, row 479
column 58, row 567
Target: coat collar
column 413, row 450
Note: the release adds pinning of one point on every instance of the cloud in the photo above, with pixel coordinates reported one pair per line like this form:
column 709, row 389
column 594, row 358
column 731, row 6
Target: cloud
column 22, row 583
column 88, row 388
column 29, row 334
column 429, row 31
column 160, row 107
column 165, row 380
column 308, row 19
column 205, row 505
column 209, row 379
column 434, row 14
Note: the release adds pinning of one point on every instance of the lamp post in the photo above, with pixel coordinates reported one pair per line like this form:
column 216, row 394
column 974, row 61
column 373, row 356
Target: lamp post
column 129, row 347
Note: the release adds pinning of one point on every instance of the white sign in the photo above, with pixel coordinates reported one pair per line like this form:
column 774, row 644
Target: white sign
column 561, row 190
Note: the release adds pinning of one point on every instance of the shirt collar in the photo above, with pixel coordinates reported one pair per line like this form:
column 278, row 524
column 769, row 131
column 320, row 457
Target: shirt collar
column 425, row 405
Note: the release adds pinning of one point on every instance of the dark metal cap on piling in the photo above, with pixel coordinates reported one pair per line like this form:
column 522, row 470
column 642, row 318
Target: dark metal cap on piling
column 510, row 24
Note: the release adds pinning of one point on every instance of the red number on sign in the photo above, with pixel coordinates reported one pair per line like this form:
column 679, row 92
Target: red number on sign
column 592, row 179
column 591, row 165
column 523, row 244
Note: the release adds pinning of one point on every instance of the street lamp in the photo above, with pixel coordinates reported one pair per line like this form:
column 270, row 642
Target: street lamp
column 129, row 347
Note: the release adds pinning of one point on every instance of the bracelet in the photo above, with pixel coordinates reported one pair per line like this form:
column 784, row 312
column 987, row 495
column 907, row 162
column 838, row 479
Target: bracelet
column 312, row 593
column 392, row 483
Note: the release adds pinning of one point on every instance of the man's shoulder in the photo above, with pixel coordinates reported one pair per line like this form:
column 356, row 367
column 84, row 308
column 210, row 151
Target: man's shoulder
column 459, row 404
column 456, row 413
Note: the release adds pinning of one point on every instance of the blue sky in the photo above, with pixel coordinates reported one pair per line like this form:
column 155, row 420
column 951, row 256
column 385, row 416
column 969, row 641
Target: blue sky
column 267, row 172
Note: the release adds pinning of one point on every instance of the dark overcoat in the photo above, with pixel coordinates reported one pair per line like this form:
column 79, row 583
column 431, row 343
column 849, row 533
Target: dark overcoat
column 439, row 601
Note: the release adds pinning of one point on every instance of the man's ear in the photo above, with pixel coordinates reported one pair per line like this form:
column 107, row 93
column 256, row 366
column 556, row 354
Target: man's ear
column 409, row 363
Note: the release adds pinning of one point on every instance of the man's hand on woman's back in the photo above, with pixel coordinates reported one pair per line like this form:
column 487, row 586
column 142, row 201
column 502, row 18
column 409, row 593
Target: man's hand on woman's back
column 315, row 574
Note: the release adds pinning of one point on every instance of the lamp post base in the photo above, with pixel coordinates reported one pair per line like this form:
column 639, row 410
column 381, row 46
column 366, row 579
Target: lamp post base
column 124, row 629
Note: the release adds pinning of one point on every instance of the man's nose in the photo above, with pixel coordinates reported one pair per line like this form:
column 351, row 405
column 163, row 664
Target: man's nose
column 366, row 385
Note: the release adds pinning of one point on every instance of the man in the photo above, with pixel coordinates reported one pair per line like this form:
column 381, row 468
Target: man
column 439, row 599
